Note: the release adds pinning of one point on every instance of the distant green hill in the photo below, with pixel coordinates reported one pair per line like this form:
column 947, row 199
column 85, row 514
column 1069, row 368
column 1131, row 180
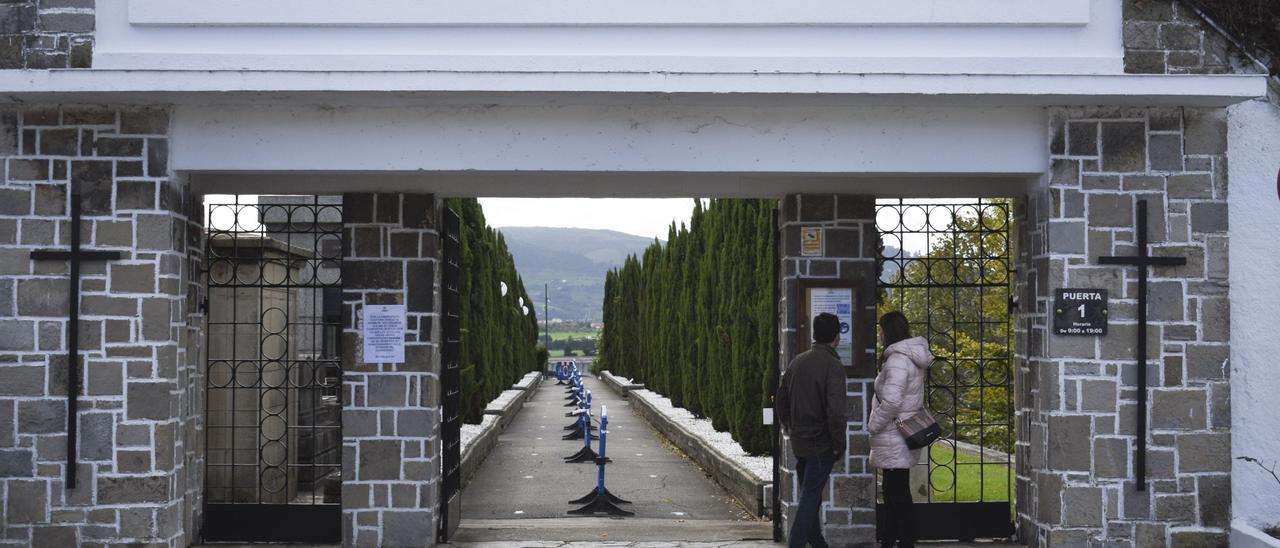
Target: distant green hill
column 572, row 262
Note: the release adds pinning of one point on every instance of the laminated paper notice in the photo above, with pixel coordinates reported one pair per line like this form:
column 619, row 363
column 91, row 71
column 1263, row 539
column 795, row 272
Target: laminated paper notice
column 837, row 301
column 384, row 333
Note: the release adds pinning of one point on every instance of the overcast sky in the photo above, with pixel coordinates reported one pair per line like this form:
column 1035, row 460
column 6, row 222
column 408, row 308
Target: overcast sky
column 641, row 217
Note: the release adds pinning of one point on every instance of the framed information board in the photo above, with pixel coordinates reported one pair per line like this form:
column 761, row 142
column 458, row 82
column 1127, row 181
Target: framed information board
column 843, row 299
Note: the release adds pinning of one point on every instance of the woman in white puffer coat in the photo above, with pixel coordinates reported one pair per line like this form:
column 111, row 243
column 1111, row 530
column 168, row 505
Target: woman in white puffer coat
column 899, row 392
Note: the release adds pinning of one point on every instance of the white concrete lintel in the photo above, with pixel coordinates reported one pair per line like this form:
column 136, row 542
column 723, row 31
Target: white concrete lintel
column 551, row 184
column 433, row 87
column 396, row 13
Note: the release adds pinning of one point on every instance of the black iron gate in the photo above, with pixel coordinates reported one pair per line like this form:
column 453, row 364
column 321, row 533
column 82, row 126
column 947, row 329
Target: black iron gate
column 946, row 265
column 450, row 378
column 273, row 402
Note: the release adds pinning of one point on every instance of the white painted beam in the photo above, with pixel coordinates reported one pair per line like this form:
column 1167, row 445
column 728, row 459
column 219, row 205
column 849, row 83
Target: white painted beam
column 542, row 184
column 397, row 13
column 428, row 87
column 767, row 138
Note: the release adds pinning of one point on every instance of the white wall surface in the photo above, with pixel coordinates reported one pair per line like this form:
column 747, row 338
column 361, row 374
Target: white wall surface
column 1253, row 161
column 819, row 36
column 843, row 141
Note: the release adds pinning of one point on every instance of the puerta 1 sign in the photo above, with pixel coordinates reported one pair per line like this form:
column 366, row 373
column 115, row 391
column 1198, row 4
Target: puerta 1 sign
column 1080, row 312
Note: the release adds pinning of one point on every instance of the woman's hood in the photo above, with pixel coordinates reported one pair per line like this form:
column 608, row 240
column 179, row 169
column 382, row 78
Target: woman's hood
column 915, row 349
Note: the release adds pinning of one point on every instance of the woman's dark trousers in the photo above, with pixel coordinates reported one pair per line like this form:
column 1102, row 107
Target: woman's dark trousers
column 900, row 523
column 806, row 527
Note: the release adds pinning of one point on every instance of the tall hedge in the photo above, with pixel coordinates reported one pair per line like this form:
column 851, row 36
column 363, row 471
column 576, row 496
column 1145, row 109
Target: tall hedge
column 499, row 341
column 693, row 319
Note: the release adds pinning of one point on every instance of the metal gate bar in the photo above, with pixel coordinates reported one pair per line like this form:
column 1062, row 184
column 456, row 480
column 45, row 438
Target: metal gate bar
column 954, row 286
column 273, row 408
column 450, row 378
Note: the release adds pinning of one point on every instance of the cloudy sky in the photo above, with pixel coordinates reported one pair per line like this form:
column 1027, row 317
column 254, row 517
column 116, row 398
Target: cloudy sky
column 641, row 217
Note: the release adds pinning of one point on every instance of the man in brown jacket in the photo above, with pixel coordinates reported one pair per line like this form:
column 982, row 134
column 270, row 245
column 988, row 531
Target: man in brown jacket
column 811, row 406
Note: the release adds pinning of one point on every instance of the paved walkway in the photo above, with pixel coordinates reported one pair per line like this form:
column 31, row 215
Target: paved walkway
column 521, row 492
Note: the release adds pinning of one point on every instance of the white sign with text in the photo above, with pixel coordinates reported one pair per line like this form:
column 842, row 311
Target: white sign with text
column 384, row 333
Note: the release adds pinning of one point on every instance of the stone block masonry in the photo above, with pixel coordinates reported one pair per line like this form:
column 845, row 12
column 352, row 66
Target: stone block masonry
column 1076, row 396
column 140, row 432
column 848, row 221
column 391, row 411
column 46, row 34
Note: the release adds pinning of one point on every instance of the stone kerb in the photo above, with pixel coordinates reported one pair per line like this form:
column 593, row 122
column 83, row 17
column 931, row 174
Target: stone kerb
column 497, row 415
column 740, row 482
column 509, row 402
column 476, row 448
column 622, row 387
column 529, row 382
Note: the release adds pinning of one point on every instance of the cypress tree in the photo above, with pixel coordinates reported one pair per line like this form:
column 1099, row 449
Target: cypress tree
column 499, row 341
column 693, row 318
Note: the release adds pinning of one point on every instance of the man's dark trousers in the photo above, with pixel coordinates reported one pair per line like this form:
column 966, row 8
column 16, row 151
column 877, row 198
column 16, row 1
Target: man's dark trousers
column 806, row 528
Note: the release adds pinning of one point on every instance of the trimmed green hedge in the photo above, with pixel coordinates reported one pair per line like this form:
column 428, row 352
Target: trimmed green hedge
column 694, row 320
column 499, row 341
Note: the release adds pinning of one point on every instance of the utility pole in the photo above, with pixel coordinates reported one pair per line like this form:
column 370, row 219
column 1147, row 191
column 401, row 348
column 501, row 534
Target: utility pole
column 546, row 329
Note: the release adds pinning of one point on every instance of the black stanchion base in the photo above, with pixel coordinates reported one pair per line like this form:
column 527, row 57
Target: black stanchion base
column 586, row 454
column 573, row 403
column 600, row 506
column 571, row 414
column 577, row 435
column 595, row 495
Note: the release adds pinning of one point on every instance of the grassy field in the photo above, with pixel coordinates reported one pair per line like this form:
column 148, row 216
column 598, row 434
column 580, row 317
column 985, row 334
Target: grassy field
column 986, row 482
column 562, row 335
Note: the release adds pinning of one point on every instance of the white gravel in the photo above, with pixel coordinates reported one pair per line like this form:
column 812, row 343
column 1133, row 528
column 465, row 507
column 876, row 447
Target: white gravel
column 761, row 467
column 527, row 381
column 471, row 431
column 503, row 399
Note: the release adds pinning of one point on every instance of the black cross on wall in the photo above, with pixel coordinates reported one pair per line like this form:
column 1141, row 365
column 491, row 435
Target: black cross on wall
column 1143, row 261
column 74, row 256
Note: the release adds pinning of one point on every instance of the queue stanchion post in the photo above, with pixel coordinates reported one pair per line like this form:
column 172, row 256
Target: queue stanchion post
column 586, row 453
column 583, row 431
column 600, row 500
column 578, row 423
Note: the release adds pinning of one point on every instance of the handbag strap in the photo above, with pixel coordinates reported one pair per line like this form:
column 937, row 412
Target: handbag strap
column 922, row 406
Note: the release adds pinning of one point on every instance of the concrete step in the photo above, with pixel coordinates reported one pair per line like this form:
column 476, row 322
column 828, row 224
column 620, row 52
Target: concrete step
column 634, row 530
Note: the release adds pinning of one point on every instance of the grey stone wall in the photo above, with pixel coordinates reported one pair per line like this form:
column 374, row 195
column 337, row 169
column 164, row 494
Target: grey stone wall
column 1076, row 396
column 46, row 34
column 1167, row 37
column 391, row 412
column 141, row 332
column 848, row 510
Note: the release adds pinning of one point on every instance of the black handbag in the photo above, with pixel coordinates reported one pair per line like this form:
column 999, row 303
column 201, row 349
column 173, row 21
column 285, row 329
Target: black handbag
column 919, row 429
